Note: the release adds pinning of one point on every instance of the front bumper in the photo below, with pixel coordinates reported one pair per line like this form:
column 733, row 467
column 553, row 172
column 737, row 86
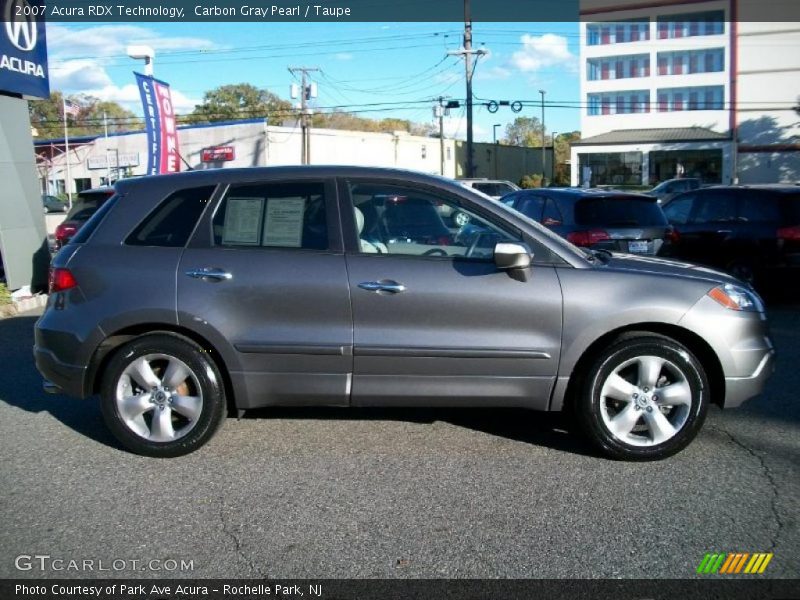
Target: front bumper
column 740, row 389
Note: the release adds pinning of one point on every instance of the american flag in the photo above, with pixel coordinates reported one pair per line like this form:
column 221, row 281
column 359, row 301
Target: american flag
column 70, row 108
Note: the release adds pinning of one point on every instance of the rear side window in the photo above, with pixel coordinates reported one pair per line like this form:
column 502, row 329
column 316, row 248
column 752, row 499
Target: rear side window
column 531, row 206
column 273, row 215
column 759, row 209
column 88, row 228
column 173, row 221
column 716, row 207
column 679, row 209
column 619, row 211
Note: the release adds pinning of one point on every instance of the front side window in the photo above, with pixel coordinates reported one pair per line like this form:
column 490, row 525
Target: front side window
column 273, row 215
column 173, row 221
column 400, row 220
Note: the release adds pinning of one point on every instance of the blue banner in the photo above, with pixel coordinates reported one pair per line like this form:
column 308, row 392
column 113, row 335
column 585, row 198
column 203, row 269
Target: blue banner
column 152, row 121
column 23, row 48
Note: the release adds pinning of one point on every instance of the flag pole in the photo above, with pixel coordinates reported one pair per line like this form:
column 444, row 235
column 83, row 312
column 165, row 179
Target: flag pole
column 68, row 182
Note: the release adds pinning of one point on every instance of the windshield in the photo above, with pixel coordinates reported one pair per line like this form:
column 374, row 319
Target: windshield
column 619, row 211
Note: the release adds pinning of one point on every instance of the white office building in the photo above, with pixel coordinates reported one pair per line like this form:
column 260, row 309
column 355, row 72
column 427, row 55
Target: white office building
column 668, row 86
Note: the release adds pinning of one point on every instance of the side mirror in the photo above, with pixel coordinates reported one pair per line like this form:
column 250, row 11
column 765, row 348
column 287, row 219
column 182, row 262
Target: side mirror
column 508, row 255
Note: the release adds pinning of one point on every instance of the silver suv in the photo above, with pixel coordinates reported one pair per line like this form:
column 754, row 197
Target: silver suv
column 190, row 295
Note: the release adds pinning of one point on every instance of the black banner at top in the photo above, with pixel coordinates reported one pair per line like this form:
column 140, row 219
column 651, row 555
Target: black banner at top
column 331, row 11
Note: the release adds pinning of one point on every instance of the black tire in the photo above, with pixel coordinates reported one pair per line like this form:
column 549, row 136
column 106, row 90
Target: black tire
column 593, row 411
column 205, row 377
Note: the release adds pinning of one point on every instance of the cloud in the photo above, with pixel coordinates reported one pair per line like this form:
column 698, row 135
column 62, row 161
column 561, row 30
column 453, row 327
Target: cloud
column 539, row 52
column 343, row 56
column 80, row 57
column 493, row 73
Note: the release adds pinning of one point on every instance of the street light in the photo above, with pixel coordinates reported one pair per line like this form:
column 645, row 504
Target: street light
column 494, row 131
column 145, row 53
column 544, row 180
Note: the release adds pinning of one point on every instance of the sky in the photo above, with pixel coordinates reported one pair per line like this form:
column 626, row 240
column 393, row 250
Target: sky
column 377, row 69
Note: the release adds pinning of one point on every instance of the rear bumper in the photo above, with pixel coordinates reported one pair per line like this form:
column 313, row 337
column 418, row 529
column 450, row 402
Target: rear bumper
column 67, row 378
column 740, row 389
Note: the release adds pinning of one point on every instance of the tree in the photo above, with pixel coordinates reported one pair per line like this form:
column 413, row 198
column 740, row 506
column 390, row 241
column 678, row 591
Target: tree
column 563, row 151
column 240, row 101
column 48, row 121
column 524, row 131
column 339, row 119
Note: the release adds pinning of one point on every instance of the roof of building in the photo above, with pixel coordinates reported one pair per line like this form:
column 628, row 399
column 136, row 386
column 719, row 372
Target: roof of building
column 639, row 136
column 86, row 139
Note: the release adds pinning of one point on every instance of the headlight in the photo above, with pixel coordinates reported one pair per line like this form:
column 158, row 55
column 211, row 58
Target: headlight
column 737, row 297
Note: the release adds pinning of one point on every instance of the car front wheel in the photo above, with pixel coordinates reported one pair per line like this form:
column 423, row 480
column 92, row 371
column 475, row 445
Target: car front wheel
column 162, row 396
column 644, row 398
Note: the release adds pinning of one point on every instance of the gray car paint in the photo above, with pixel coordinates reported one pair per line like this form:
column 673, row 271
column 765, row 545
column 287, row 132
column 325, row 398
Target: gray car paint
column 296, row 329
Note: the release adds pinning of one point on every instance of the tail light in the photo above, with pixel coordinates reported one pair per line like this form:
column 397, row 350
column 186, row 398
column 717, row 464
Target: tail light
column 61, row 280
column 672, row 235
column 789, row 233
column 588, row 238
column 64, row 232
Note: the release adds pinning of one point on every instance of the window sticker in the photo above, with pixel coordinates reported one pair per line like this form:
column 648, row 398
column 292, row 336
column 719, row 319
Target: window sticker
column 284, row 223
column 242, row 221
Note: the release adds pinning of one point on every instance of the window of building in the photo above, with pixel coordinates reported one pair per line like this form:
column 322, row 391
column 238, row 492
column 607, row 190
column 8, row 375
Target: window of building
column 619, row 67
column 173, row 221
column 694, row 61
column 691, row 24
column 83, row 183
column 611, row 103
column 693, row 98
column 634, row 30
column 613, row 168
column 277, row 215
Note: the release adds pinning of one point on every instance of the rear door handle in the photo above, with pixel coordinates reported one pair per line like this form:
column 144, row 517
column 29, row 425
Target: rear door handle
column 384, row 285
column 213, row 274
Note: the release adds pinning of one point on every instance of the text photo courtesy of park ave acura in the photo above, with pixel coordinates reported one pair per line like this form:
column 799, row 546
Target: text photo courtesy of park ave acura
column 371, row 299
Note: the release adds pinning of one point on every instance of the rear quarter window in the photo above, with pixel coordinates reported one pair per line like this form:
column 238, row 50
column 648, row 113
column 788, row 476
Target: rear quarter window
column 618, row 211
column 173, row 221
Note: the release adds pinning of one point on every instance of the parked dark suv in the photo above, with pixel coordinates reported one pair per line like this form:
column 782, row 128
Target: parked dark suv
column 188, row 295
column 602, row 220
column 749, row 231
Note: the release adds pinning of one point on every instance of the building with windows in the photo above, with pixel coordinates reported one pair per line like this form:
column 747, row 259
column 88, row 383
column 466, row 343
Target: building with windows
column 673, row 88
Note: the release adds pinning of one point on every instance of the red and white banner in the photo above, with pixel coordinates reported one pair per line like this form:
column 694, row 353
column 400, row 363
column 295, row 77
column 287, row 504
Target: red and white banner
column 162, row 132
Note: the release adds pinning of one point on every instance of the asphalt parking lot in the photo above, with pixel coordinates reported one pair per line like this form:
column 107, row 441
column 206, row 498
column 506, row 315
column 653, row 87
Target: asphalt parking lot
column 394, row 493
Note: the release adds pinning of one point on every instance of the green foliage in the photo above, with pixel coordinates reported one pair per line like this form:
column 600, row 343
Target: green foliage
column 240, row 101
column 524, row 131
column 531, row 181
column 338, row 119
column 5, row 295
column 48, row 121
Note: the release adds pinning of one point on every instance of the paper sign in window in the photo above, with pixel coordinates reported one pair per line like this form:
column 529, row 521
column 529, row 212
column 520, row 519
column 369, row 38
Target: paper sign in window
column 242, row 221
column 284, row 223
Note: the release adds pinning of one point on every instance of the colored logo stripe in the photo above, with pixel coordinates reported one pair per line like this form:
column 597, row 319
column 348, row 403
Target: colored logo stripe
column 733, row 563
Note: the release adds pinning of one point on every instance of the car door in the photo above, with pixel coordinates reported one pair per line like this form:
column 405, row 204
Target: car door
column 712, row 228
column 435, row 321
column 264, row 279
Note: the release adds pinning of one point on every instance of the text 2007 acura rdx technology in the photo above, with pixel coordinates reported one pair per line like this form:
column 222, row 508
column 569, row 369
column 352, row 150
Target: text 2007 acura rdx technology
column 192, row 294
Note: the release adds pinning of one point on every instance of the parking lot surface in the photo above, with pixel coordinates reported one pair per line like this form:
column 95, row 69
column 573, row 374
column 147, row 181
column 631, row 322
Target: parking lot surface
column 336, row 493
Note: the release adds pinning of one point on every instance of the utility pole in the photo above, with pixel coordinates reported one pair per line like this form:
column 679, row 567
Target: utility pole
column 438, row 113
column 307, row 92
column 553, row 159
column 108, row 160
column 467, row 53
column 544, row 154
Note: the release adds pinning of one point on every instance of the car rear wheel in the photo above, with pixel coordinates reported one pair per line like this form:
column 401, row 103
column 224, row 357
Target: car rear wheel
column 644, row 398
column 162, row 396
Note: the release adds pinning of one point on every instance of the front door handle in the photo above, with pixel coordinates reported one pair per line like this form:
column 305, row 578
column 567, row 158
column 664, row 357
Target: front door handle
column 384, row 285
column 213, row 274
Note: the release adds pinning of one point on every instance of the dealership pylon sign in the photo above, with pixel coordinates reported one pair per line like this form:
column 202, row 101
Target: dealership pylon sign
column 23, row 48
column 160, row 122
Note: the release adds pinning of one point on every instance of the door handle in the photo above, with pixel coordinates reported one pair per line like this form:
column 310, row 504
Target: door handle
column 385, row 285
column 215, row 274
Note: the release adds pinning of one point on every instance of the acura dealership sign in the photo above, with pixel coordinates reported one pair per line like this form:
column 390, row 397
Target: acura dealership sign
column 23, row 48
